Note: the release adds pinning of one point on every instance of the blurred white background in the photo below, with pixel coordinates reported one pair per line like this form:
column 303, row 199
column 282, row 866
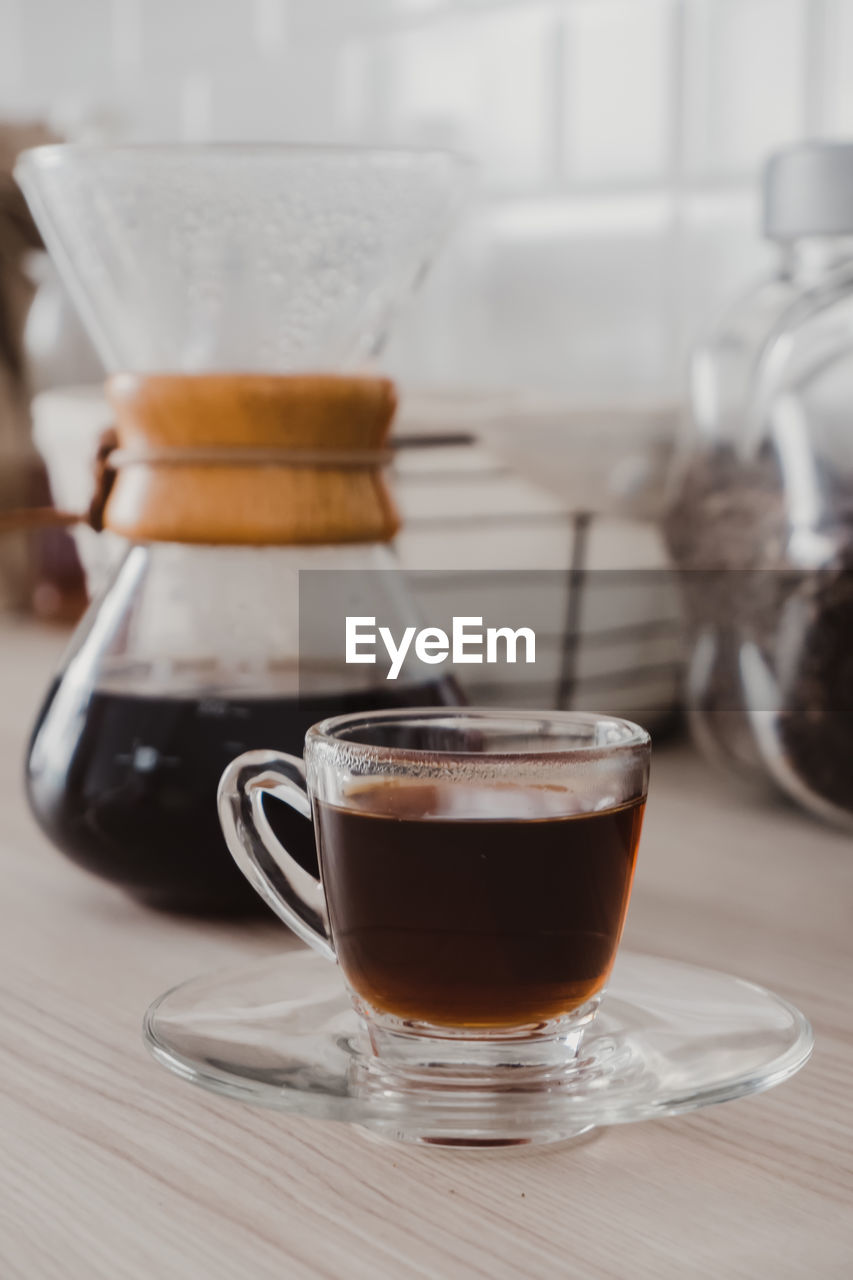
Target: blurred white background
column 619, row 144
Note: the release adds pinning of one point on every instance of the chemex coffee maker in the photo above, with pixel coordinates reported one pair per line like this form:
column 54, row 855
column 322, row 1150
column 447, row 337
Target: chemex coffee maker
column 233, row 293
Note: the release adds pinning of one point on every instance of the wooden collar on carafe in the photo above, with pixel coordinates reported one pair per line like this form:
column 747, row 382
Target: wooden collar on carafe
column 251, row 458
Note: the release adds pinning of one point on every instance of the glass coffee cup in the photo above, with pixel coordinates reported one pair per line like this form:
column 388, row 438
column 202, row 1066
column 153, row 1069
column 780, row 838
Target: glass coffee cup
column 476, row 867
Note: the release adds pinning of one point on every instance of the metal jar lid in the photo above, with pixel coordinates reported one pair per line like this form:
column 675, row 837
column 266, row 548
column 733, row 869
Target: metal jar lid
column 808, row 191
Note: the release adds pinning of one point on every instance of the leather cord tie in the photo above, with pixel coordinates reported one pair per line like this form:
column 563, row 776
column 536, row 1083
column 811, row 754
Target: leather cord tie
column 109, row 459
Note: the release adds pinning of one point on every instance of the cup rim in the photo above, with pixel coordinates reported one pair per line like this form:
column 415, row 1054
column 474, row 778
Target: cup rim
column 327, row 731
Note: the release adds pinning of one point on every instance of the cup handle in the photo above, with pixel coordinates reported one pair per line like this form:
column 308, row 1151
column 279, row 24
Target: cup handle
column 298, row 899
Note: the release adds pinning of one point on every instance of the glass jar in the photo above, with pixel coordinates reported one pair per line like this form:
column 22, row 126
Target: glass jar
column 760, row 516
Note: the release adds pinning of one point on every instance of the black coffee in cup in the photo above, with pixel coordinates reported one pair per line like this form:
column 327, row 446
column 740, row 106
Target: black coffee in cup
column 443, row 911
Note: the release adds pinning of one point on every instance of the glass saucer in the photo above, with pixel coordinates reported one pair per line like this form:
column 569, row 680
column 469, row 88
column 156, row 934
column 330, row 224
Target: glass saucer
column 669, row 1038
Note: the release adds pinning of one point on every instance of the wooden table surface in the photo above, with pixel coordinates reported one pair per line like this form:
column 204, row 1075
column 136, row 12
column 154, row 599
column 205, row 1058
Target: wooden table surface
column 113, row 1168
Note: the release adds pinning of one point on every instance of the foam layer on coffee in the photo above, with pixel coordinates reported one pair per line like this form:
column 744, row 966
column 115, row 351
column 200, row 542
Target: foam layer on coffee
column 425, row 800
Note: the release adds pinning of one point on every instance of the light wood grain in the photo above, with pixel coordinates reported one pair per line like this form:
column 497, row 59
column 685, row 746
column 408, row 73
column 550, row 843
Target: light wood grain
column 111, row 1168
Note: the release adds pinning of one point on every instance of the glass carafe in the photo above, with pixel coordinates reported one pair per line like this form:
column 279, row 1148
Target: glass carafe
column 209, row 278
column 192, row 654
